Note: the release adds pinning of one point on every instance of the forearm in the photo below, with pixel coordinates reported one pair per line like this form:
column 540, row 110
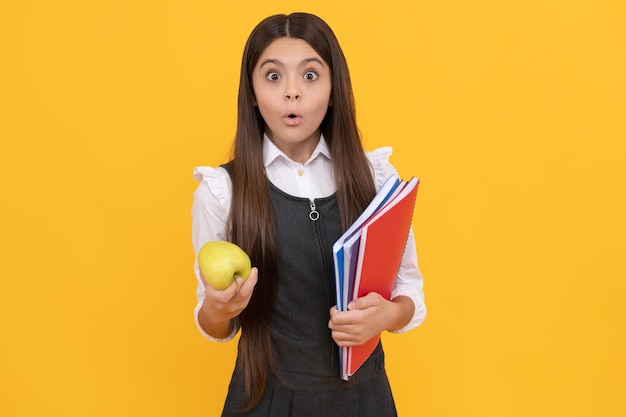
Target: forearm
column 218, row 329
column 401, row 311
column 410, row 283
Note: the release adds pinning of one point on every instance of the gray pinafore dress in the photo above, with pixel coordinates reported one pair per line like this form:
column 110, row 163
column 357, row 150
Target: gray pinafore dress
column 304, row 352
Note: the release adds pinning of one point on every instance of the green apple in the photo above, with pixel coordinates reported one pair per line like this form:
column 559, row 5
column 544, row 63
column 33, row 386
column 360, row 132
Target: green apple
column 221, row 262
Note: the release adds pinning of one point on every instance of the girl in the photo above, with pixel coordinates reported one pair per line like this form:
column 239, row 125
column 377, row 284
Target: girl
column 298, row 177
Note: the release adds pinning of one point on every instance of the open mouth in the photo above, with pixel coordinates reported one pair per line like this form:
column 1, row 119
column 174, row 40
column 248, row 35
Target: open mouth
column 292, row 119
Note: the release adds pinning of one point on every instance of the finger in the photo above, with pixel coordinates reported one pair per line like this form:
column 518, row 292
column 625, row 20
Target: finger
column 214, row 293
column 343, row 319
column 247, row 286
column 343, row 339
column 370, row 300
column 229, row 293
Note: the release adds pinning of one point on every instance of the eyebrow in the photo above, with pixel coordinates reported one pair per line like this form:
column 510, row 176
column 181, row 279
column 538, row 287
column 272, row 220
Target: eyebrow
column 280, row 64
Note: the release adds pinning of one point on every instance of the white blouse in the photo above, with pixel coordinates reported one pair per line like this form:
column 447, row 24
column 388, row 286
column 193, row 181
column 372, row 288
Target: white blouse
column 313, row 179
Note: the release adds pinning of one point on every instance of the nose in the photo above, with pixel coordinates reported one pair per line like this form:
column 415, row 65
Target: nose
column 292, row 93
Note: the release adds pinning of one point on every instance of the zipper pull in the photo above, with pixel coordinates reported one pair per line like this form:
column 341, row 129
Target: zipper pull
column 314, row 214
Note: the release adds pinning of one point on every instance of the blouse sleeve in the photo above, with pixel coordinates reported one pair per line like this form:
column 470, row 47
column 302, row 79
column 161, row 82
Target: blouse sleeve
column 409, row 281
column 211, row 203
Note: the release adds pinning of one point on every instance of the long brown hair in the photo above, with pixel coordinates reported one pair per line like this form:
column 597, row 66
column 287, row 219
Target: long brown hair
column 251, row 223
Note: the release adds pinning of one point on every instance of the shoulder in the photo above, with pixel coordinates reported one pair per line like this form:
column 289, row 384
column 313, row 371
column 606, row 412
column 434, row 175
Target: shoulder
column 215, row 184
column 381, row 167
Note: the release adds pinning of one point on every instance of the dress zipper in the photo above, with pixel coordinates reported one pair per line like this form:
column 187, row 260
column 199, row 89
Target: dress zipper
column 314, row 214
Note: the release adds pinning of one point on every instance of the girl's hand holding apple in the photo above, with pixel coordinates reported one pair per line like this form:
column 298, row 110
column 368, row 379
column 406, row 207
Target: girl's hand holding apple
column 220, row 307
column 228, row 281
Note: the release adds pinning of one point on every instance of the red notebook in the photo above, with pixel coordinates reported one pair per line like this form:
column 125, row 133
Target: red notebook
column 383, row 239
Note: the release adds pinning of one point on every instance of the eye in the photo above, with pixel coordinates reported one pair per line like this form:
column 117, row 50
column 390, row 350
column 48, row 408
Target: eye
column 273, row 76
column 310, row 76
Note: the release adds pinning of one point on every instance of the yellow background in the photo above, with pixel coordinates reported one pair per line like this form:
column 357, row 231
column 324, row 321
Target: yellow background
column 512, row 113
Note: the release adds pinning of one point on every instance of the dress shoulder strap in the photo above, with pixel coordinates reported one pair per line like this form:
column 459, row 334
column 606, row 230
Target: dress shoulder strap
column 229, row 168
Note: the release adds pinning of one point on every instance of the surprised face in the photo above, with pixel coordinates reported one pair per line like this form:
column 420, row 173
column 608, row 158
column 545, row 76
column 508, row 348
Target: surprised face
column 292, row 87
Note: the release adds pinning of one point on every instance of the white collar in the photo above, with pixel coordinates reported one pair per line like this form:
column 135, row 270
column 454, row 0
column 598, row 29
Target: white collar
column 271, row 151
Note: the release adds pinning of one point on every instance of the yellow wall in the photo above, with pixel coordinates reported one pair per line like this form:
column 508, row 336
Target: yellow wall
column 511, row 112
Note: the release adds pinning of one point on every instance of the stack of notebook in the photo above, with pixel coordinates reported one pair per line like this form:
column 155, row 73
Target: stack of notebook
column 368, row 255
